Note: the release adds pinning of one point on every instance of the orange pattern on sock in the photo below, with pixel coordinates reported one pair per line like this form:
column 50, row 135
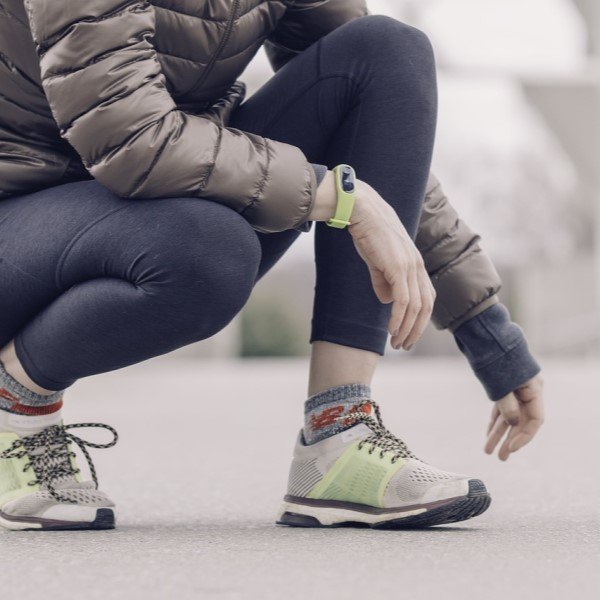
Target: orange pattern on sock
column 4, row 393
column 23, row 409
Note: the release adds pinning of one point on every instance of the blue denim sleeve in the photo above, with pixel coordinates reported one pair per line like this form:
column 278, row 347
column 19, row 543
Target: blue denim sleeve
column 497, row 351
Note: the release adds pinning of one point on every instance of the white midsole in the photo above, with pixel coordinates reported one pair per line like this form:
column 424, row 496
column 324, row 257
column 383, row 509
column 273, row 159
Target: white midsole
column 77, row 514
column 71, row 513
column 18, row 525
column 331, row 516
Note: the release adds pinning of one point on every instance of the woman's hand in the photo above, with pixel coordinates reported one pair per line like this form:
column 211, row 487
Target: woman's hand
column 397, row 271
column 521, row 413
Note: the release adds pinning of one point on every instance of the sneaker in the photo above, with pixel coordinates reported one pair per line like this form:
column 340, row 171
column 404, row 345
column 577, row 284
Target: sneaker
column 365, row 476
column 41, row 487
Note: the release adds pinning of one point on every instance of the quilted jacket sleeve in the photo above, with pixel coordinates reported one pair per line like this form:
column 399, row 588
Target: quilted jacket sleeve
column 107, row 93
column 464, row 277
column 305, row 22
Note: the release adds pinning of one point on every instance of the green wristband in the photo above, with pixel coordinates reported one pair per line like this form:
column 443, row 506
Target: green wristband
column 346, row 195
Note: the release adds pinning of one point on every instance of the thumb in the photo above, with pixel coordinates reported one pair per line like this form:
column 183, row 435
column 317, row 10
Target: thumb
column 510, row 409
column 381, row 287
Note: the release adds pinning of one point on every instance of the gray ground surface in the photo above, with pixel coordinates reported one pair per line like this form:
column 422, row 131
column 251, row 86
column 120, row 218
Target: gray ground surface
column 203, row 461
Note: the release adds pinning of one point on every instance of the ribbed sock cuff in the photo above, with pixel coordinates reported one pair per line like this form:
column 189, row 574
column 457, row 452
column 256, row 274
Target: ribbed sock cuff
column 15, row 397
column 324, row 412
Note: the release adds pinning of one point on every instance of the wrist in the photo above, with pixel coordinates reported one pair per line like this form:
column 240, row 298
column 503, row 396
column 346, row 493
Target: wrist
column 326, row 199
column 364, row 206
column 325, row 202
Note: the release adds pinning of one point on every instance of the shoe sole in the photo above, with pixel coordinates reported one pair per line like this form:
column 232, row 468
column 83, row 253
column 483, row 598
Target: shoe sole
column 105, row 519
column 304, row 512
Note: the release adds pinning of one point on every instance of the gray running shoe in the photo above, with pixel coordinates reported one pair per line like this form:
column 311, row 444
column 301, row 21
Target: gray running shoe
column 366, row 476
column 41, row 487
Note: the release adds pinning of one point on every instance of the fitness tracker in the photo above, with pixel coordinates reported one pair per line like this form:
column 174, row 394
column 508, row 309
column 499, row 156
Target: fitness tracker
column 345, row 188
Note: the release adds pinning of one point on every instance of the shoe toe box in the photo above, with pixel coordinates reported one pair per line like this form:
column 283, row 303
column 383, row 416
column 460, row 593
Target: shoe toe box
column 419, row 483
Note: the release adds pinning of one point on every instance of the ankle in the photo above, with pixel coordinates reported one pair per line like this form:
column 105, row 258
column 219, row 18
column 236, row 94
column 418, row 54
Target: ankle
column 324, row 412
column 16, row 398
column 12, row 365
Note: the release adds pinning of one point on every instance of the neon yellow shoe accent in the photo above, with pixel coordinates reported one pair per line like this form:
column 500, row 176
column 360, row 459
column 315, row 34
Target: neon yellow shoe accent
column 14, row 480
column 358, row 476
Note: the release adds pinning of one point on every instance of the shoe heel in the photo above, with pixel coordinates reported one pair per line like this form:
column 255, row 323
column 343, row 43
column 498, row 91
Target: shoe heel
column 297, row 520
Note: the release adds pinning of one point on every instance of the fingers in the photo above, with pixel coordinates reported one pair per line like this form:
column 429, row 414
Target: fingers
column 525, row 434
column 417, row 308
column 533, row 420
column 494, row 417
column 505, row 451
column 427, row 300
column 410, row 311
column 401, row 301
column 521, row 419
column 505, row 416
column 499, row 428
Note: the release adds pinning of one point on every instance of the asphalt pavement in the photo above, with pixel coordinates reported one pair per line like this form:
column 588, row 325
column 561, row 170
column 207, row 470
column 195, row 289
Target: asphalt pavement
column 202, row 465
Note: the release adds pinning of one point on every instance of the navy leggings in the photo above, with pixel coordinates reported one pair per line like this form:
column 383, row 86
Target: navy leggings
column 90, row 282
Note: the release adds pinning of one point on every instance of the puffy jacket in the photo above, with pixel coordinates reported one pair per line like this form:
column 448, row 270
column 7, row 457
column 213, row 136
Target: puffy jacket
column 137, row 95
column 464, row 277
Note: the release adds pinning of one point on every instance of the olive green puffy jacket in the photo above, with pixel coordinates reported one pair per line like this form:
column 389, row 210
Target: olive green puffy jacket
column 137, row 95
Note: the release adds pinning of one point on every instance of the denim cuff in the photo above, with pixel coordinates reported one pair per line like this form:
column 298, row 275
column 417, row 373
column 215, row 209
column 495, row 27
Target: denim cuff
column 497, row 351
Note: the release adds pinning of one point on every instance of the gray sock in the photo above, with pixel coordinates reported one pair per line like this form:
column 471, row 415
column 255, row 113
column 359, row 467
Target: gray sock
column 14, row 396
column 324, row 412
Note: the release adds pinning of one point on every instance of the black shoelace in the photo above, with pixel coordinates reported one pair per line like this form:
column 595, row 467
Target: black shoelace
column 381, row 439
column 50, row 455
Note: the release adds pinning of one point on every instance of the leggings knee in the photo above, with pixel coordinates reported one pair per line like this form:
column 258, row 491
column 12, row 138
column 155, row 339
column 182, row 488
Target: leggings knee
column 193, row 263
column 376, row 31
column 388, row 43
column 211, row 275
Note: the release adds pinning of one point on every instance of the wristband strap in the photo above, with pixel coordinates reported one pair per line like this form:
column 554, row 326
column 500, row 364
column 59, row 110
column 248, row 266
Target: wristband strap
column 345, row 189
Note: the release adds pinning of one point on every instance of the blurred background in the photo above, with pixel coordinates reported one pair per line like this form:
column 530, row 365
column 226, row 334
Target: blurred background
column 518, row 153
